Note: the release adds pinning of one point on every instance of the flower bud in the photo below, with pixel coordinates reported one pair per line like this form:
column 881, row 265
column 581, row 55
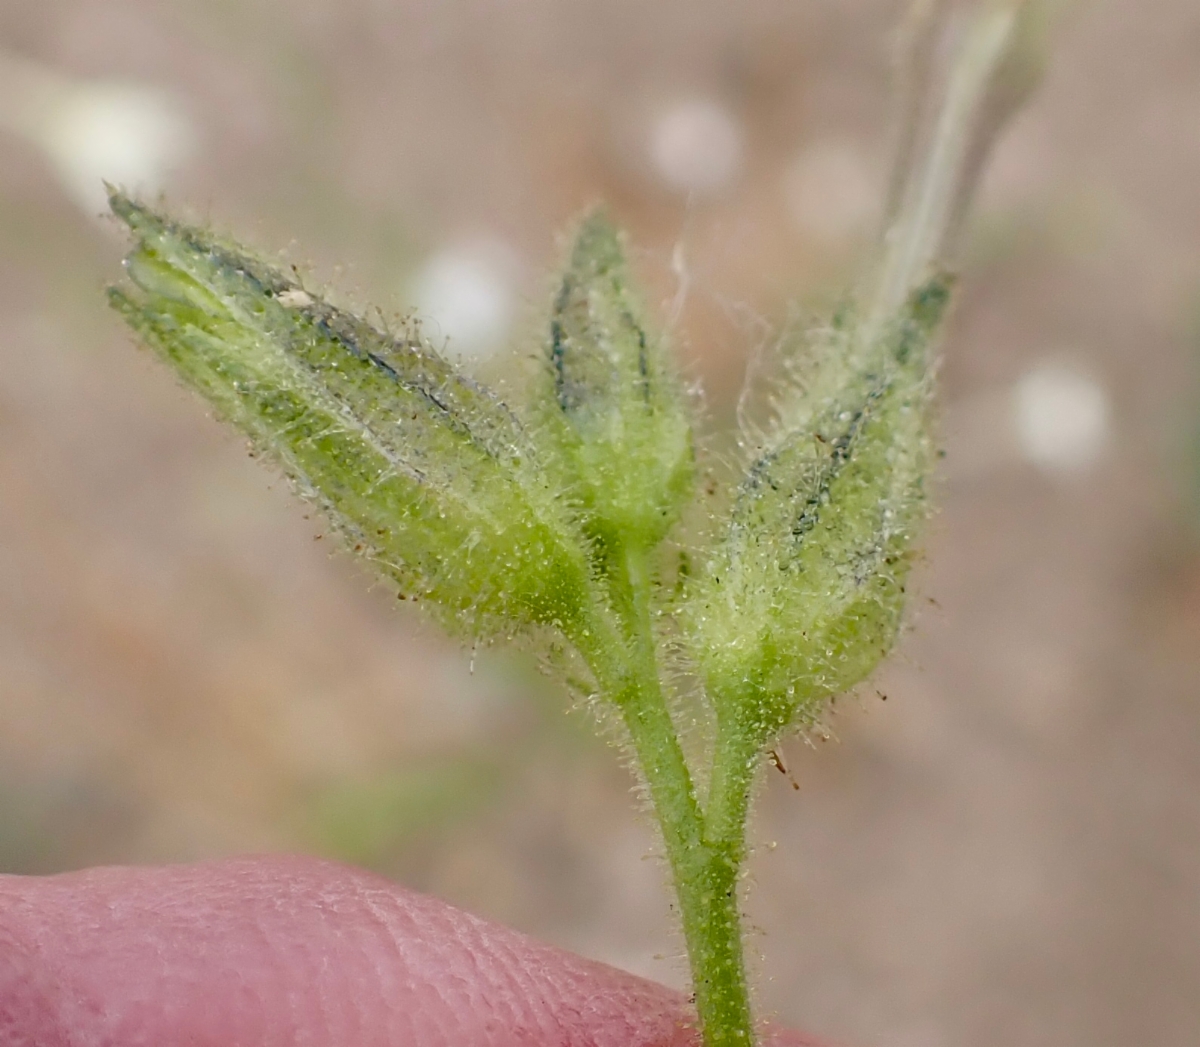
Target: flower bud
column 425, row 473
column 804, row 595
column 615, row 414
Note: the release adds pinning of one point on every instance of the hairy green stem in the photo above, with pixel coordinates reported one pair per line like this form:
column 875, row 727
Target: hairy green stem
column 736, row 760
column 705, row 871
column 705, row 854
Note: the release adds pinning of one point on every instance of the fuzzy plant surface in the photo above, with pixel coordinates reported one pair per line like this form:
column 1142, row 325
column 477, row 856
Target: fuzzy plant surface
column 556, row 515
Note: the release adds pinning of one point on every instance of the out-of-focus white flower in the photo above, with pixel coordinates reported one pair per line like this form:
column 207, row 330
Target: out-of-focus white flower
column 697, row 146
column 1056, row 417
column 126, row 134
column 1061, row 416
column 829, row 191
column 132, row 135
column 468, row 292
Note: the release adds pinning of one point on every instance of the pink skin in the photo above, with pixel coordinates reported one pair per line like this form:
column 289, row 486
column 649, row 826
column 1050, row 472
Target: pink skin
column 294, row 952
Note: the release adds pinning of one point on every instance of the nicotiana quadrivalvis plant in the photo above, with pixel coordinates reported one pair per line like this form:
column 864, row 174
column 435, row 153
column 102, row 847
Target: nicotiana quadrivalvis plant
column 555, row 515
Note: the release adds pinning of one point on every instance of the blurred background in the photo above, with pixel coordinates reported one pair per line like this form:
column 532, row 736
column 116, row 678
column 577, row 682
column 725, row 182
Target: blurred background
column 1006, row 852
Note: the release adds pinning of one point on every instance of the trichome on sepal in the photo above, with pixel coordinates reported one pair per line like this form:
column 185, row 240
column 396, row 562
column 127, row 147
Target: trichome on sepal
column 426, row 473
column 804, row 593
column 610, row 400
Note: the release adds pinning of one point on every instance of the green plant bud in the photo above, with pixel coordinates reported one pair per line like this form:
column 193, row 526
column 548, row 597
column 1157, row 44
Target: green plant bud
column 424, row 472
column 805, row 594
column 616, row 412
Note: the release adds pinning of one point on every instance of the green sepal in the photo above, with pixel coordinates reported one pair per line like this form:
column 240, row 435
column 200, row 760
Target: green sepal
column 425, row 473
column 612, row 406
column 804, row 595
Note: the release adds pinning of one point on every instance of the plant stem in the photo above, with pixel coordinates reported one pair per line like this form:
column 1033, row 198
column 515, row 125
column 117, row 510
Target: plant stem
column 932, row 186
column 705, row 865
column 705, row 872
